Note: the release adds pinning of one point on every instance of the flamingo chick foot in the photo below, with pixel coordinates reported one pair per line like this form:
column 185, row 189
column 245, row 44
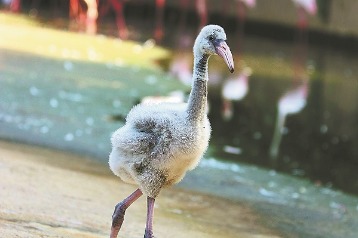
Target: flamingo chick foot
column 120, row 210
column 150, row 212
column 117, row 218
column 148, row 234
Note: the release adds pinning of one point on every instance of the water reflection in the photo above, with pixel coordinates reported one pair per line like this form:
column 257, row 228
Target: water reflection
column 292, row 102
column 181, row 68
column 233, row 90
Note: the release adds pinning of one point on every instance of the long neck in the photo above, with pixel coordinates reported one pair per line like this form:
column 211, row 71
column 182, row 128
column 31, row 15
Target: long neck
column 198, row 96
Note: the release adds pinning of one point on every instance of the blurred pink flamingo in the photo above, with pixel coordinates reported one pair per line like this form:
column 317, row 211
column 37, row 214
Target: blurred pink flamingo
column 12, row 5
column 158, row 33
column 184, row 4
column 117, row 6
column 181, row 64
column 242, row 6
column 233, row 90
column 181, row 67
column 292, row 102
column 202, row 11
column 91, row 16
column 305, row 7
column 15, row 5
column 77, row 16
column 82, row 19
column 74, row 8
column 237, row 88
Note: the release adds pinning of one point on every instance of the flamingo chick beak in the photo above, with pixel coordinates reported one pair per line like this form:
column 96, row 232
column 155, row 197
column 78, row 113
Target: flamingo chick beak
column 223, row 50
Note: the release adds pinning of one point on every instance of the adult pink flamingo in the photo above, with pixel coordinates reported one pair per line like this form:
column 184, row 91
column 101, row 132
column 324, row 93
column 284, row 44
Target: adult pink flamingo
column 15, row 5
column 305, row 7
column 184, row 4
column 91, row 16
column 117, row 6
column 242, row 6
column 234, row 89
column 158, row 33
column 181, row 64
column 292, row 102
column 73, row 11
column 81, row 19
column 202, row 12
column 181, row 68
column 77, row 16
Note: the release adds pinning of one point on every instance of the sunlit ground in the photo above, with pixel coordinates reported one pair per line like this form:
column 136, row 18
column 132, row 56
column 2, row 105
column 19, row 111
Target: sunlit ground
column 24, row 35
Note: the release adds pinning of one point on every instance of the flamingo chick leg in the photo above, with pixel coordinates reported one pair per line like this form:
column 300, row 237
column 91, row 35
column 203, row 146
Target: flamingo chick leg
column 119, row 211
column 150, row 213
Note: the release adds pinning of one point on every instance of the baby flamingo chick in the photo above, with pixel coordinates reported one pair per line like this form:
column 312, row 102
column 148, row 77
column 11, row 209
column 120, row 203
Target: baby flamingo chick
column 160, row 142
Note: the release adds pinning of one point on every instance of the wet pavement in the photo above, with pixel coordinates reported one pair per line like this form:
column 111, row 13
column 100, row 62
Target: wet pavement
column 47, row 193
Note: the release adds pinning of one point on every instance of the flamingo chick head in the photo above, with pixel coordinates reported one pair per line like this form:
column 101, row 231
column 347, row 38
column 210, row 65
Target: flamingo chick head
column 212, row 41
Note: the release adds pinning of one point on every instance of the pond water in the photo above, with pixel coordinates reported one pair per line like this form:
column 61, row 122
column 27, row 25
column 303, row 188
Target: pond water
column 316, row 136
column 298, row 109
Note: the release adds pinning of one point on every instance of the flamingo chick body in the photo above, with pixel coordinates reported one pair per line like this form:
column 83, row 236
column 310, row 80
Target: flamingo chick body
column 157, row 146
column 160, row 142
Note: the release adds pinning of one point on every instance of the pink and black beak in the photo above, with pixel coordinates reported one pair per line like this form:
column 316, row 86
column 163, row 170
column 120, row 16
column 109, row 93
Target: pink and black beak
column 223, row 50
